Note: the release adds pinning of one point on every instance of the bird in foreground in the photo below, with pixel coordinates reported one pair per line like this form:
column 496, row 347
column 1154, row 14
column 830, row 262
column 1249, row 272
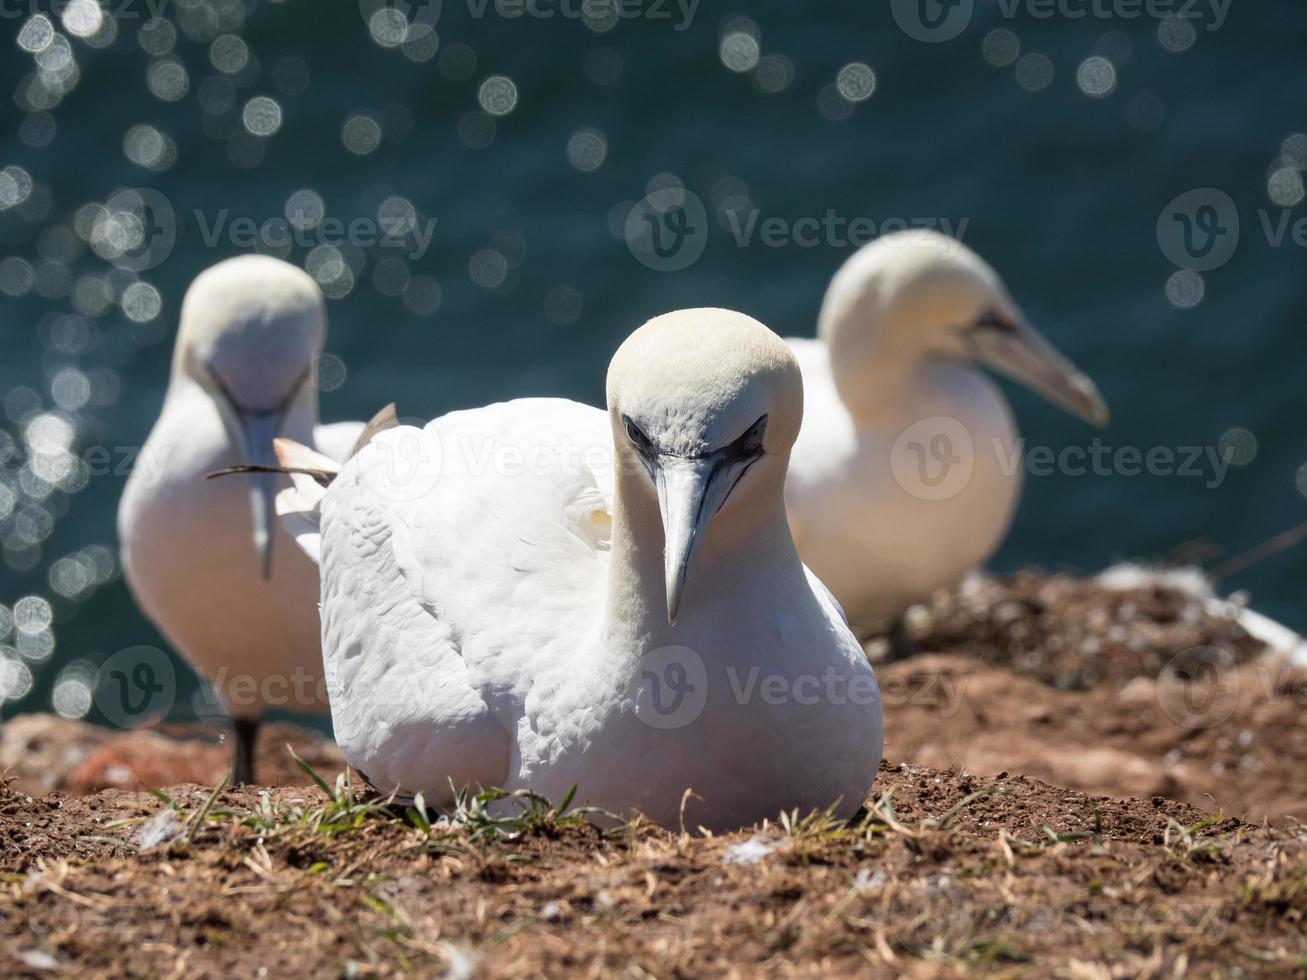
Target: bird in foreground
column 907, row 470
column 541, row 595
column 207, row 561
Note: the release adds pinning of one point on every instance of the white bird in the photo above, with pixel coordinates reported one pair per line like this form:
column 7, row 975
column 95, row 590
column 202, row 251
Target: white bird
column 536, row 595
column 907, row 470
column 206, row 561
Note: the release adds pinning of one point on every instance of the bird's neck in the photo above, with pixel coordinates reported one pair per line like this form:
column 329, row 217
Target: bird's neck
column 747, row 561
column 884, row 383
column 298, row 422
column 302, row 415
column 869, row 370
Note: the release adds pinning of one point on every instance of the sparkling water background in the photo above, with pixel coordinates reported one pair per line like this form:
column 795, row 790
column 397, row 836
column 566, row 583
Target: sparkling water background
column 1058, row 141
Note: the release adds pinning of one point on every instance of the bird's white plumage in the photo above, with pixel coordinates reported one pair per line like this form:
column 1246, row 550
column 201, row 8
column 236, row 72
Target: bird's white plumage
column 188, row 548
column 875, row 543
column 336, row 440
column 492, row 608
column 449, row 577
column 907, row 471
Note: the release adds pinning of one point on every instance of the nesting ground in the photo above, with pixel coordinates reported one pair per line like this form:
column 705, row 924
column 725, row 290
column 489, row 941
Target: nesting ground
column 1082, row 782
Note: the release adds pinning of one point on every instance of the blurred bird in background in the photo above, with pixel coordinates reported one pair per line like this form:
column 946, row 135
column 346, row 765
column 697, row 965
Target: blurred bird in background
column 907, row 471
column 206, row 560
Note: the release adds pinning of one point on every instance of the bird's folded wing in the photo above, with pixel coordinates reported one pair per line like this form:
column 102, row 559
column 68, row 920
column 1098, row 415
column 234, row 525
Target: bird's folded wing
column 393, row 670
column 498, row 519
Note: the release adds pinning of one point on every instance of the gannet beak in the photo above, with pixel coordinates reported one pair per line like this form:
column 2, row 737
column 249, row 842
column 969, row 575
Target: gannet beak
column 254, row 431
column 257, row 433
column 690, row 492
column 1017, row 350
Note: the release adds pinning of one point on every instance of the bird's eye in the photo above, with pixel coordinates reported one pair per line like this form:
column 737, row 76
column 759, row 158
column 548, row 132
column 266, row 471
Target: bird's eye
column 639, row 440
column 995, row 322
column 750, row 444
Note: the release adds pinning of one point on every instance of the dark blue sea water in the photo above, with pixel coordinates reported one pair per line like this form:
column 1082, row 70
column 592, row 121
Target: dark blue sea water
column 526, row 139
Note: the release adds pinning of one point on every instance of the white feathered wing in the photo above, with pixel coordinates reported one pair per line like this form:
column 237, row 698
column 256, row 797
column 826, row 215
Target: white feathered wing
column 456, row 561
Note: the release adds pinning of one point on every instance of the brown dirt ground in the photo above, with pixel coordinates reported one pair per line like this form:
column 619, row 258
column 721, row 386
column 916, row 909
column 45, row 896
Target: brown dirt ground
column 46, row 753
column 1078, row 789
column 955, row 875
column 1130, row 693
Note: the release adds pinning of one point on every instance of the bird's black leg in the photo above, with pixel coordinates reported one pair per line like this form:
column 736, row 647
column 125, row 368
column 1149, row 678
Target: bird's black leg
column 901, row 646
column 246, row 731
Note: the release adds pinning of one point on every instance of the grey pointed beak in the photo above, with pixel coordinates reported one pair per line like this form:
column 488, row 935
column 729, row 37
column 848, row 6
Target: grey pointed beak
column 1021, row 353
column 257, row 433
column 253, row 430
column 690, row 492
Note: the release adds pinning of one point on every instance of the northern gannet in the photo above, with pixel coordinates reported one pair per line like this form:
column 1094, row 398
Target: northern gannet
column 206, row 561
column 907, row 469
column 541, row 595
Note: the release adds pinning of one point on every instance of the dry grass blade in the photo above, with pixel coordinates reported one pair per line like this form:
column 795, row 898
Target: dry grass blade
column 980, row 794
column 202, row 814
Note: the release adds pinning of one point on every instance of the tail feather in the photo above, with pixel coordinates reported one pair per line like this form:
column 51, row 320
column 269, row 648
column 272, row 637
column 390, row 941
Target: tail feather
column 385, row 419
